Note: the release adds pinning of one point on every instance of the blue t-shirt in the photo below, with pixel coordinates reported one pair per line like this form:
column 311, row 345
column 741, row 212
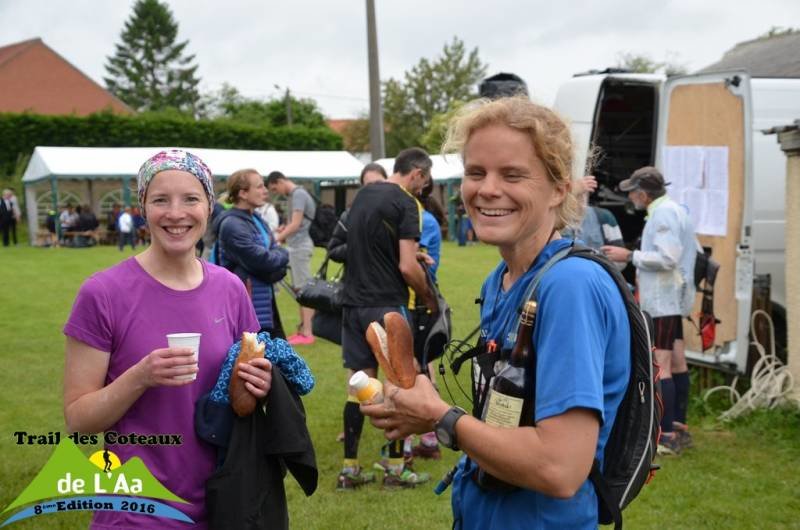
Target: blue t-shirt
column 431, row 239
column 582, row 339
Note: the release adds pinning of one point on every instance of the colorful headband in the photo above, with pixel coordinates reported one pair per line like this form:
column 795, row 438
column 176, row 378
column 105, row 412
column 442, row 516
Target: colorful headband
column 179, row 160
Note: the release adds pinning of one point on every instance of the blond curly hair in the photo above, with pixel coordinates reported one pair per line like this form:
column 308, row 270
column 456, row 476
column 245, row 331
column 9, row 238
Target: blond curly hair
column 549, row 136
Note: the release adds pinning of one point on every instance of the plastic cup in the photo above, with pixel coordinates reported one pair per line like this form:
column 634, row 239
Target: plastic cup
column 186, row 340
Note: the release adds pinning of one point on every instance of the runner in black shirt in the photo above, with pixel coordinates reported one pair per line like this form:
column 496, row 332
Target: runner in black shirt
column 383, row 230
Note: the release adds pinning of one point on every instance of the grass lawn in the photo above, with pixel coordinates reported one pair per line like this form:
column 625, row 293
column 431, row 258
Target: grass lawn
column 740, row 476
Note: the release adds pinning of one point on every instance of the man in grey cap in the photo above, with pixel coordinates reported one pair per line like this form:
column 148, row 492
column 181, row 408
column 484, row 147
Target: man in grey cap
column 665, row 272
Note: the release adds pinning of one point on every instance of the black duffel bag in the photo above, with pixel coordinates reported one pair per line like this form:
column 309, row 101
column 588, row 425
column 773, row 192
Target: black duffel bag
column 322, row 294
column 327, row 326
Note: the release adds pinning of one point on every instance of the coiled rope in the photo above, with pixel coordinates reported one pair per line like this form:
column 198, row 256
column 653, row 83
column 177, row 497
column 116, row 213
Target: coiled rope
column 771, row 383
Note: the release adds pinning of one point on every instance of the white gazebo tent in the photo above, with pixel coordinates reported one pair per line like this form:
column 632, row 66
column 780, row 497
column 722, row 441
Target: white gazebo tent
column 102, row 176
column 447, row 172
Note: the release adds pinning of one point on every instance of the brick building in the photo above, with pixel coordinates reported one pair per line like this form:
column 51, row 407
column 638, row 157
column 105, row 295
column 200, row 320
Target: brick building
column 33, row 77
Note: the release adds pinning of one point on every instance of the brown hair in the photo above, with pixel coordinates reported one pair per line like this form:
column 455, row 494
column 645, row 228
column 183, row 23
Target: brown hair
column 549, row 135
column 238, row 181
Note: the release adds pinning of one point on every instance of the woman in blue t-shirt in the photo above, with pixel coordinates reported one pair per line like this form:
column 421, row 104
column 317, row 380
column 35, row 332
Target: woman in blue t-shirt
column 517, row 168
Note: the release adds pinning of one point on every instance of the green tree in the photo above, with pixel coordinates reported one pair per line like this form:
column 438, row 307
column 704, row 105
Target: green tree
column 430, row 88
column 355, row 135
column 149, row 70
column 433, row 139
column 229, row 103
column 644, row 64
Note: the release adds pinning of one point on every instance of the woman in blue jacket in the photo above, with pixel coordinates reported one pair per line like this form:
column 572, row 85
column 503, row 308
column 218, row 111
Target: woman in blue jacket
column 248, row 249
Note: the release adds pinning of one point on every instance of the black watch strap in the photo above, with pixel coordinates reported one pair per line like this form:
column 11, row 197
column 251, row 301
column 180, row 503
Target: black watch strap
column 445, row 428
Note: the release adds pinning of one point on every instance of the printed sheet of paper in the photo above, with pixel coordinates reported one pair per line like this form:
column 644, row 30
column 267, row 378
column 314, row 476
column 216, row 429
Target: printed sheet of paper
column 698, row 177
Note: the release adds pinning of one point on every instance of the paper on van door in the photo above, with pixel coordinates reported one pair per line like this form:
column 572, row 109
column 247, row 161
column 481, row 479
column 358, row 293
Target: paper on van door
column 698, row 177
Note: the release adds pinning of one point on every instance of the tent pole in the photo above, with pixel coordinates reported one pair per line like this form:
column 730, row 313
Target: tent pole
column 30, row 211
column 54, row 194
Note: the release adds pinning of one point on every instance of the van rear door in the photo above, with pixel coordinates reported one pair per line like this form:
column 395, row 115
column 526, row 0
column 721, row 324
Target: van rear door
column 704, row 148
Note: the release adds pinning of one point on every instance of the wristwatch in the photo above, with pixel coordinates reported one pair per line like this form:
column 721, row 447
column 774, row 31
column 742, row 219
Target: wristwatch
column 446, row 427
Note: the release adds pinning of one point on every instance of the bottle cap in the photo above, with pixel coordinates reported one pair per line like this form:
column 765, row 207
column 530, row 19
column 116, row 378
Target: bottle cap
column 359, row 380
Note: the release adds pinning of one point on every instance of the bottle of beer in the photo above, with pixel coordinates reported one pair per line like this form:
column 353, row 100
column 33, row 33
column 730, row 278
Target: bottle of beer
column 510, row 400
column 508, row 405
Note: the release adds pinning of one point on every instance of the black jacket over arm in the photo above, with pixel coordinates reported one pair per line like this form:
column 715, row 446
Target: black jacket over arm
column 247, row 493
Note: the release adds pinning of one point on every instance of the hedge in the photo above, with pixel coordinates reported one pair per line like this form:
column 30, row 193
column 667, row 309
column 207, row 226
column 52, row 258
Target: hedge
column 20, row 133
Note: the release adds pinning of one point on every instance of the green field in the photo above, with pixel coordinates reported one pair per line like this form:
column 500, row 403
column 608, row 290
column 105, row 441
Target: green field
column 738, row 476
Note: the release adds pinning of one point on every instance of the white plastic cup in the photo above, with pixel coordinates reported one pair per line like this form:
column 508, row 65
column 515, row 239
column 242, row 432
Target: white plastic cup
column 186, row 340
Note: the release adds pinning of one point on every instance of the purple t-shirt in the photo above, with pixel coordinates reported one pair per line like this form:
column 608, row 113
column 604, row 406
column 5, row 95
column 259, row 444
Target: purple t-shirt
column 128, row 313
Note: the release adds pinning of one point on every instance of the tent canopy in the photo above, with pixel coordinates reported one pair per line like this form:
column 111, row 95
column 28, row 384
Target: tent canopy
column 445, row 167
column 87, row 163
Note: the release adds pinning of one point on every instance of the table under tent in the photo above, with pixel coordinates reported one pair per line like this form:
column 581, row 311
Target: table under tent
column 103, row 176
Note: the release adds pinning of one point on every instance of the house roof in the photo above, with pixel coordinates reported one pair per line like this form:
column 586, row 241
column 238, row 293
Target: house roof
column 777, row 56
column 9, row 52
column 339, row 125
column 90, row 163
column 36, row 78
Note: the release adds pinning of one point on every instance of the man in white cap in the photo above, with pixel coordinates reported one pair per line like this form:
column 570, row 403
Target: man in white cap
column 665, row 272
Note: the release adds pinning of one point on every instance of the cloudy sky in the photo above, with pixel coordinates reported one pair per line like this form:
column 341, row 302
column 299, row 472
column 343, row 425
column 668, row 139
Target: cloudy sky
column 317, row 48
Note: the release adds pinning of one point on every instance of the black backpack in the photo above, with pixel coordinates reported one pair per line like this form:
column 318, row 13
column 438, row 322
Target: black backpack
column 632, row 442
column 323, row 223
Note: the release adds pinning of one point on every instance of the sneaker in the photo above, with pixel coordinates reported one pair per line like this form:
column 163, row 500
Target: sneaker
column 430, row 452
column 669, row 444
column 350, row 480
column 685, row 439
column 405, row 479
column 382, row 465
column 684, row 436
column 299, row 339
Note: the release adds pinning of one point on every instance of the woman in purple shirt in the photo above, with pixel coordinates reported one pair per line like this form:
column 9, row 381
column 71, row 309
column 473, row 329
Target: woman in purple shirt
column 119, row 374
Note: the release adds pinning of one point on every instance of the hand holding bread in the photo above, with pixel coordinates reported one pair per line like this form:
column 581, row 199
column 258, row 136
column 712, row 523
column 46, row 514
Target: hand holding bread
column 242, row 400
column 393, row 346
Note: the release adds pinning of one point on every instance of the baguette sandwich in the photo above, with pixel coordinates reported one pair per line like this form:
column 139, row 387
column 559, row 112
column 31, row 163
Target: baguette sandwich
column 393, row 346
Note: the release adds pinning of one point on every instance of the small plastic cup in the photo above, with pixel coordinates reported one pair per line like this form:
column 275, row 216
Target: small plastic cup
column 186, row 340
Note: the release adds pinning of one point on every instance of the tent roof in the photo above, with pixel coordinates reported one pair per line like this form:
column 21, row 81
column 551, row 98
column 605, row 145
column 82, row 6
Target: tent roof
column 445, row 167
column 86, row 163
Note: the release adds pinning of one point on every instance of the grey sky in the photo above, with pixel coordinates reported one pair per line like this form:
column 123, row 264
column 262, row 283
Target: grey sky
column 318, row 48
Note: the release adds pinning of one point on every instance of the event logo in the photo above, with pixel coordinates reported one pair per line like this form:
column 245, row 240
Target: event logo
column 71, row 482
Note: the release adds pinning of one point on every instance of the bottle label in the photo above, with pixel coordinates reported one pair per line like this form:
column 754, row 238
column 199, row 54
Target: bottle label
column 503, row 410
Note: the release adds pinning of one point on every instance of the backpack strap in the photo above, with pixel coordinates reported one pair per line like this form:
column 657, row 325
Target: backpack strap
column 530, row 292
column 604, row 494
column 576, row 249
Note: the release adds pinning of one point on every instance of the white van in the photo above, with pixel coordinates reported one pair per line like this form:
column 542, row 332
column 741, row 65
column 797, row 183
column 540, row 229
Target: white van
column 634, row 118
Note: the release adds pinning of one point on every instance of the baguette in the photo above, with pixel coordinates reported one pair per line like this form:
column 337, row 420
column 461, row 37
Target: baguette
column 242, row 401
column 393, row 346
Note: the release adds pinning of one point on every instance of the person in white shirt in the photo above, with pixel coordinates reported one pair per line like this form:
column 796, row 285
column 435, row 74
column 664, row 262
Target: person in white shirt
column 126, row 230
column 270, row 216
column 665, row 275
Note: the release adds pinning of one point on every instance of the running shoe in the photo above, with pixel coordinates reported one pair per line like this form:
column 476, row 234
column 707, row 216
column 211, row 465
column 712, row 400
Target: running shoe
column 300, row 340
column 669, row 445
column 349, row 479
column 405, row 479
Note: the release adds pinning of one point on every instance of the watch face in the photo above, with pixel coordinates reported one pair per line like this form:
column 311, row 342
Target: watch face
column 444, row 437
